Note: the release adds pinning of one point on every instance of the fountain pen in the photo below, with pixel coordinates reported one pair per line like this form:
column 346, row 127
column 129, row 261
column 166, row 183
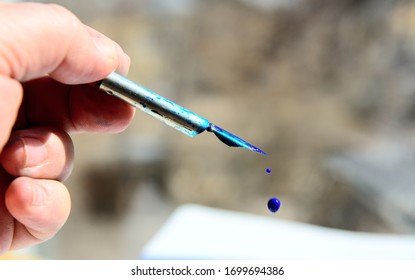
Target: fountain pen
column 167, row 111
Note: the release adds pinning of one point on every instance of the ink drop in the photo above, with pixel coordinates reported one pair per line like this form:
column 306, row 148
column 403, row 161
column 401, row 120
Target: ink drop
column 268, row 170
column 274, row 204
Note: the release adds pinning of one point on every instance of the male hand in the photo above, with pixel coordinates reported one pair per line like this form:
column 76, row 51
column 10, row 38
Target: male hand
column 46, row 57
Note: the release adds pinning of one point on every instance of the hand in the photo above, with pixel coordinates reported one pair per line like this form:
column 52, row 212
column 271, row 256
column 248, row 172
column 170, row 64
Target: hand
column 46, row 57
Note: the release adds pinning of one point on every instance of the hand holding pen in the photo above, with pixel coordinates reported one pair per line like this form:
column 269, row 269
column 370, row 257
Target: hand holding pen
column 36, row 153
column 48, row 61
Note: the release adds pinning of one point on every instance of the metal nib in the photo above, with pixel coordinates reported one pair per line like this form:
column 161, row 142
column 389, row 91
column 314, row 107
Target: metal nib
column 232, row 140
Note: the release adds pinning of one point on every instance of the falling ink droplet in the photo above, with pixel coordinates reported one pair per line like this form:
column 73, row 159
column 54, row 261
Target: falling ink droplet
column 274, row 204
column 268, row 170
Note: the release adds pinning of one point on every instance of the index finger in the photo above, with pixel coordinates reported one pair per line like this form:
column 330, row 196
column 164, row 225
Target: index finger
column 75, row 108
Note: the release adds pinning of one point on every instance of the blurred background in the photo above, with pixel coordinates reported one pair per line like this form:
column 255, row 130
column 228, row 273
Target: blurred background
column 325, row 87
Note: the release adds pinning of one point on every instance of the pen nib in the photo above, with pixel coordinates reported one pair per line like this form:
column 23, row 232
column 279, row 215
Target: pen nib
column 232, row 140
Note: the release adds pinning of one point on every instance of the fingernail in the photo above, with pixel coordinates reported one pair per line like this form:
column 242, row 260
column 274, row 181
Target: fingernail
column 35, row 152
column 124, row 61
column 105, row 47
column 39, row 195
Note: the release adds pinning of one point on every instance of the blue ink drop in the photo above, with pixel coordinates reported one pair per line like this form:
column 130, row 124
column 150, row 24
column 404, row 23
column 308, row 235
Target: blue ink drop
column 274, row 204
column 268, row 170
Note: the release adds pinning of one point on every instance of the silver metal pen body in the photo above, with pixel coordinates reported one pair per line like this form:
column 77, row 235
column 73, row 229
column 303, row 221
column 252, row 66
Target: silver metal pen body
column 154, row 104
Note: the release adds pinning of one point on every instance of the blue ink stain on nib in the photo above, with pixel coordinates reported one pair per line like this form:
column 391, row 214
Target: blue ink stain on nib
column 274, row 204
column 231, row 139
column 268, row 170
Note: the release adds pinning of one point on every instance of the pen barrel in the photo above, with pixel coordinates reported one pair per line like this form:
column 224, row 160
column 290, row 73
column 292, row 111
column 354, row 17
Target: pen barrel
column 153, row 104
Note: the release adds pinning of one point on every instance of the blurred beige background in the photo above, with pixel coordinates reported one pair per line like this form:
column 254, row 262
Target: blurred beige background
column 325, row 87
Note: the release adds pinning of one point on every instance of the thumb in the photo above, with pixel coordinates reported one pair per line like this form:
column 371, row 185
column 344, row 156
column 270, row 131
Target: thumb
column 39, row 39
